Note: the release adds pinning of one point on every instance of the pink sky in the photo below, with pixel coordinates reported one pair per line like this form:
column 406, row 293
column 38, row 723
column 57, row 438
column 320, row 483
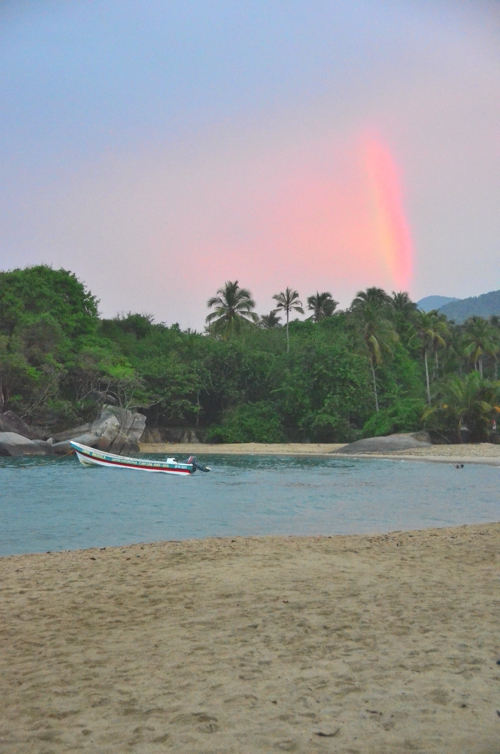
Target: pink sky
column 376, row 167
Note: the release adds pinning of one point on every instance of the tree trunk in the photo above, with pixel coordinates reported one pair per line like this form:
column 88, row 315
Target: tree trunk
column 287, row 336
column 374, row 385
column 481, row 366
column 427, row 378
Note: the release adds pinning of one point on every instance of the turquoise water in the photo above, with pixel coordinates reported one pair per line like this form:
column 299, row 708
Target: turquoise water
column 60, row 505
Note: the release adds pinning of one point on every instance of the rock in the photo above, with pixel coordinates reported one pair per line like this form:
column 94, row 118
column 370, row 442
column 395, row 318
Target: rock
column 106, row 429
column 131, row 428
column 327, row 733
column 10, row 422
column 387, row 444
column 189, row 436
column 71, row 434
column 153, row 434
column 173, row 434
column 64, row 446
column 117, row 430
column 13, row 444
column 98, row 395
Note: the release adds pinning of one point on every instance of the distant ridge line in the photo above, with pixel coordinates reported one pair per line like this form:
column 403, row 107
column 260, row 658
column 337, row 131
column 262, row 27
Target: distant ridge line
column 429, row 303
column 459, row 310
column 480, row 306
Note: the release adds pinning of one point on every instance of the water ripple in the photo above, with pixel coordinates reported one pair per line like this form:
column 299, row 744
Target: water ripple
column 47, row 505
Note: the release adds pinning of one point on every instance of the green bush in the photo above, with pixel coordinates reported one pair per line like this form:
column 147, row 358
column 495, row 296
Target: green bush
column 405, row 415
column 249, row 422
column 326, row 427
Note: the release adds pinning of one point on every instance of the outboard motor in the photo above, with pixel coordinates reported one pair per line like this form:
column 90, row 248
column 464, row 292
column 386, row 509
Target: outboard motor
column 194, row 462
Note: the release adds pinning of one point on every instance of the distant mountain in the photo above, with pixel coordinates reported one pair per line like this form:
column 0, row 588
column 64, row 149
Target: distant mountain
column 429, row 303
column 482, row 306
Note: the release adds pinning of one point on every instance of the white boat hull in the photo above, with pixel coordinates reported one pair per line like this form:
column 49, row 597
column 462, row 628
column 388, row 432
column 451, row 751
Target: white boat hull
column 92, row 457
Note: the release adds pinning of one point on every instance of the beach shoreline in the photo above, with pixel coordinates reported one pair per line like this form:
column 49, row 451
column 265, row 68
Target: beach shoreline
column 358, row 644
column 480, row 453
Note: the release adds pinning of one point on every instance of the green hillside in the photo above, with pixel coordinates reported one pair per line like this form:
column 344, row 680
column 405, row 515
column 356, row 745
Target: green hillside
column 429, row 303
column 481, row 306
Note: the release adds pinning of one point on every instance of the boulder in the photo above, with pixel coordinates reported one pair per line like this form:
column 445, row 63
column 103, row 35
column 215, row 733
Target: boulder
column 106, row 428
column 117, row 430
column 174, row 435
column 129, row 432
column 11, row 422
column 13, row 444
column 73, row 433
column 403, row 441
column 64, row 446
column 189, row 435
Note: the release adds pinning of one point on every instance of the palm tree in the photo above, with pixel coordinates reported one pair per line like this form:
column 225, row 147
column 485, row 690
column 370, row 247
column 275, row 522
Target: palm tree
column 429, row 329
column 375, row 296
column 270, row 321
column 451, row 358
column 443, row 333
column 495, row 323
column 233, row 310
column 288, row 302
column 479, row 338
column 378, row 335
column 322, row 305
column 402, row 303
column 403, row 311
column 470, row 402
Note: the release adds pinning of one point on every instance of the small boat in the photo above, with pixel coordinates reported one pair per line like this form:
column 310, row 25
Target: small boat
column 93, row 457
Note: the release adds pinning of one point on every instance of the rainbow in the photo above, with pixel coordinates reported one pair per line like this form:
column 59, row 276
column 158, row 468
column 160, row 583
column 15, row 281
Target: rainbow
column 391, row 233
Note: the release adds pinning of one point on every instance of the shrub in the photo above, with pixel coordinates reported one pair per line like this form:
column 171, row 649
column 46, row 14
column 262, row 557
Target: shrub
column 405, row 415
column 249, row 422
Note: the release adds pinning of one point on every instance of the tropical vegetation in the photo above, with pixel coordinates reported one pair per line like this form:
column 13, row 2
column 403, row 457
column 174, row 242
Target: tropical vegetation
column 377, row 367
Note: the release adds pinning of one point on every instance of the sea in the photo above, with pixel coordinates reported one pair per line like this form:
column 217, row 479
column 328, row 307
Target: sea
column 51, row 505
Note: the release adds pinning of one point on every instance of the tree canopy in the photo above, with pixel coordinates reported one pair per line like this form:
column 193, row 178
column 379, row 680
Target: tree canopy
column 27, row 294
column 379, row 366
column 233, row 310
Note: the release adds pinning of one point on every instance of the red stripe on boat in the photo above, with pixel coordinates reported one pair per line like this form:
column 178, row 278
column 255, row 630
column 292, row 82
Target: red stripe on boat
column 133, row 466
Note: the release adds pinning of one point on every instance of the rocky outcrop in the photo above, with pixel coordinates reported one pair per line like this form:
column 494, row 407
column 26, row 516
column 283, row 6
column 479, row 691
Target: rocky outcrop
column 117, row 430
column 121, row 430
column 174, row 435
column 11, row 422
column 403, row 441
column 71, row 434
column 14, row 444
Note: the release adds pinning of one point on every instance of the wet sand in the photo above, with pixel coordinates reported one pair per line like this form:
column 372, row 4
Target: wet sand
column 354, row 645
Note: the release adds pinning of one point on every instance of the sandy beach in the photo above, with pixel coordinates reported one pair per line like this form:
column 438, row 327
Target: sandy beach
column 243, row 448
column 487, row 453
column 353, row 645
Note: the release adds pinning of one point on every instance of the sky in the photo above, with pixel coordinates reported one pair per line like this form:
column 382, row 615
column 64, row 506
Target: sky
column 158, row 149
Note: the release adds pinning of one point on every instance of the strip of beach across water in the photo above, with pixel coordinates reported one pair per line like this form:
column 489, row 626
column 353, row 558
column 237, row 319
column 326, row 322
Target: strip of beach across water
column 486, row 453
column 352, row 644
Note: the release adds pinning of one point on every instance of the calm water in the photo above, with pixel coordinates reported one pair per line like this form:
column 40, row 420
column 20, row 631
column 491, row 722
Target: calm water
column 59, row 505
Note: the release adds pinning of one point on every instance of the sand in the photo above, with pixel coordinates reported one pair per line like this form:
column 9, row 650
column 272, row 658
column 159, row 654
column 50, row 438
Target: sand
column 243, row 448
column 482, row 453
column 354, row 645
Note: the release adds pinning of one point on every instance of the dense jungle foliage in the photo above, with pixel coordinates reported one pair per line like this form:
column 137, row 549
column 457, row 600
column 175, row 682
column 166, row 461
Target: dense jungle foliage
column 381, row 366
